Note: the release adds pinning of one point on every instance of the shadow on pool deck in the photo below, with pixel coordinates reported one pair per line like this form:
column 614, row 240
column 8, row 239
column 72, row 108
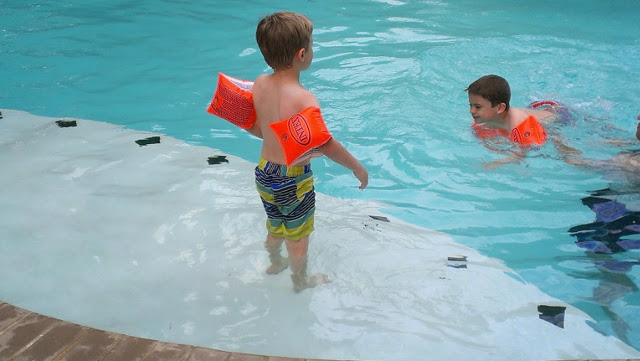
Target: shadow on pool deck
column 29, row 336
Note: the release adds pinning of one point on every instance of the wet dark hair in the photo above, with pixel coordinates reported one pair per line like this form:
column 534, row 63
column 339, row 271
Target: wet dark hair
column 494, row 88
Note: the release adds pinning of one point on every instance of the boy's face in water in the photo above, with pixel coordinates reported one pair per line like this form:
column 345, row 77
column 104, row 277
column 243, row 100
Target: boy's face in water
column 482, row 111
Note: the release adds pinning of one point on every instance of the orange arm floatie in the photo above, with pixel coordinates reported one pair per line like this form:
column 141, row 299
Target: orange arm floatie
column 233, row 101
column 529, row 131
column 484, row 132
column 300, row 135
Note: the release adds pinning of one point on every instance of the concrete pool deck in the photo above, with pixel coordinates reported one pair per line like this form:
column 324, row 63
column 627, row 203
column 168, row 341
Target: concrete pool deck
column 30, row 336
column 152, row 241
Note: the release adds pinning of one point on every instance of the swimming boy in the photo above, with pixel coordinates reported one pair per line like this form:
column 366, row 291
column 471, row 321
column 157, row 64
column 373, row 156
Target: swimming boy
column 287, row 193
column 489, row 98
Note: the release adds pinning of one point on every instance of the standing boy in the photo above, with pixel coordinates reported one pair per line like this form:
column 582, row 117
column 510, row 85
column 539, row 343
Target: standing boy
column 287, row 192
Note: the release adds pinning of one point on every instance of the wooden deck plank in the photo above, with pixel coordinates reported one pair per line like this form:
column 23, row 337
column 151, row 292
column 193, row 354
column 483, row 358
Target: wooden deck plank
column 22, row 334
column 168, row 351
column 206, row 354
column 93, row 345
column 246, row 357
column 130, row 348
column 53, row 343
column 10, row 315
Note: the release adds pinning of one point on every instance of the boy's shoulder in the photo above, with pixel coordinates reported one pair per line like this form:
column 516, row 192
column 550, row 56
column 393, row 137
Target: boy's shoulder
column 520, row 114
column 291, row 96
column 297, row 95
column 261, row 81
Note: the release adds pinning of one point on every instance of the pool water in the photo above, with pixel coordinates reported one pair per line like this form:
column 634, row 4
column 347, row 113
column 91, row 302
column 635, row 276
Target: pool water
column 390, row 76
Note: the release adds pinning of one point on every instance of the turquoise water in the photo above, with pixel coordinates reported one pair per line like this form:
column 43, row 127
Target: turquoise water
column 390, row 76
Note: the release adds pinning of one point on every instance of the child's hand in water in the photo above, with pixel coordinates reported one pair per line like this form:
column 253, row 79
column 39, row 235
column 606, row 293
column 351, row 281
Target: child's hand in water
column 363, row 176
column 513, row 158
column 491, row 165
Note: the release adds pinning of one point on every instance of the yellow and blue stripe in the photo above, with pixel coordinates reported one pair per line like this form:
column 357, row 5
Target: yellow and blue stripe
column 288, row 197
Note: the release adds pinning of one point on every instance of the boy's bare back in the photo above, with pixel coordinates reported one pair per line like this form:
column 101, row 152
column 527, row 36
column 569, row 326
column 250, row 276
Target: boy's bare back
column 518, row 115
column 278, row 96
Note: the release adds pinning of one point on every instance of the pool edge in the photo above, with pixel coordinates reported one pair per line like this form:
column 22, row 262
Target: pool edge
column 33, row 336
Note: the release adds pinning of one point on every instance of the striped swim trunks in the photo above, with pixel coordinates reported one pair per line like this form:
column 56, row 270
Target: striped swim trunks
column 288, row 197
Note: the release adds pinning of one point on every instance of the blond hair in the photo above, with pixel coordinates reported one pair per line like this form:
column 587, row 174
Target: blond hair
column 280, row 36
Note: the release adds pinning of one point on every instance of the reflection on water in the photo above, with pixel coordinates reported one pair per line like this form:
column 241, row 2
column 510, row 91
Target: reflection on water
column 607, row 241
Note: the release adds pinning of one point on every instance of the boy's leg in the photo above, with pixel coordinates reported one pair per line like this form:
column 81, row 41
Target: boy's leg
column 274, row 246
column 298, row 261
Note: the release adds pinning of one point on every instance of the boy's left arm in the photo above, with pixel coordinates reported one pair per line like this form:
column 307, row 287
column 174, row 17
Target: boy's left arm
column 339, row 154
column 514, row 157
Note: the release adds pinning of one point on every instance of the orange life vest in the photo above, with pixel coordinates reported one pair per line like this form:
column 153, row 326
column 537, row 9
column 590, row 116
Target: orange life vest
column 301, row 134
column 528, row 132
column 233, row 101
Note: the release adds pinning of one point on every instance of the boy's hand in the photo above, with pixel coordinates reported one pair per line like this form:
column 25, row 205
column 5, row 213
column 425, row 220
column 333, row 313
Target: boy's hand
column 363, row 176
column 513, row 158
column 492, row 165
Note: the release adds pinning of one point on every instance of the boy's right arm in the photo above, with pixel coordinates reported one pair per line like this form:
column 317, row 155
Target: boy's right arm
column 339, row 154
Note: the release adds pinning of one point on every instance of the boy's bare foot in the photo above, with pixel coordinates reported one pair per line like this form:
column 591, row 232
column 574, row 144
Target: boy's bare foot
column 278, row 267
column 301, row 283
